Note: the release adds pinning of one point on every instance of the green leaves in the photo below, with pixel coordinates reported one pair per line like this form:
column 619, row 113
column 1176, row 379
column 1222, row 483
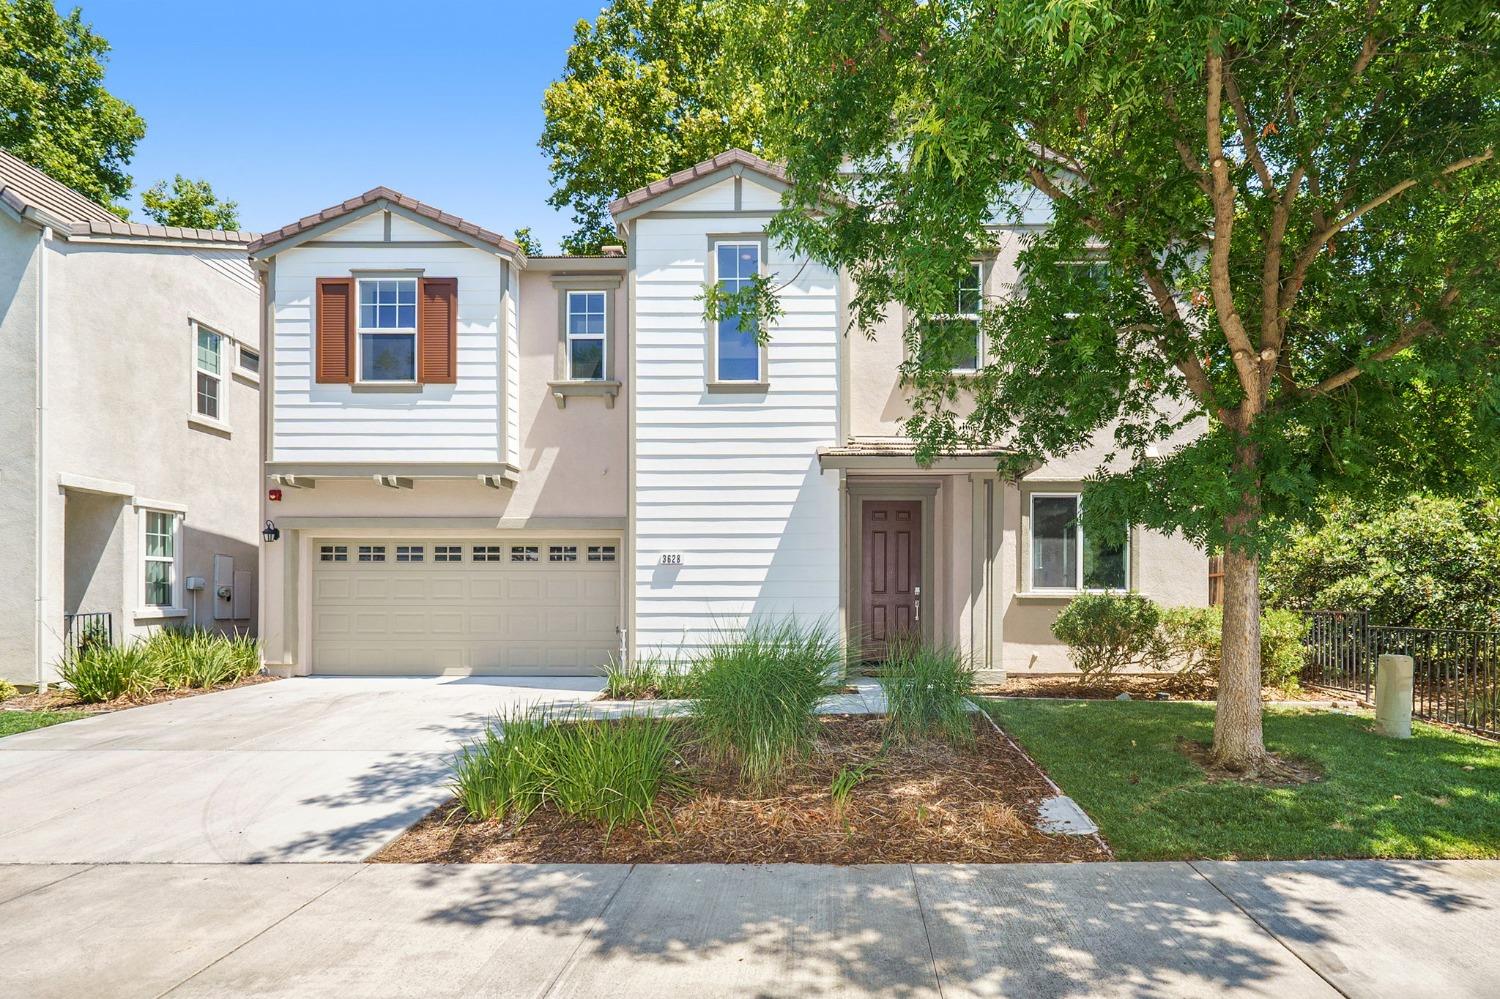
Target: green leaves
column 191, row 204
column 54, row 111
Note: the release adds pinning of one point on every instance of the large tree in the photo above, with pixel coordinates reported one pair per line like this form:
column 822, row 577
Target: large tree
column 1288, row 216
column 54, row 111
column 191, row 204
column 647, row 90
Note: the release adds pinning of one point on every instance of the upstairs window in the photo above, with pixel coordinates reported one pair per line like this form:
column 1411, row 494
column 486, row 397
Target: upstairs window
column 208, row 374
column 1064, row 557
column 250, row 361
column 737, row 353
column 387, row 329
column 960, row 338
column 586, row 336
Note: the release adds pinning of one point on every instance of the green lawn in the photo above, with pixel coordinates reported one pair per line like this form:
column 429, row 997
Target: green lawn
column 1435, row 795
column 12, row 722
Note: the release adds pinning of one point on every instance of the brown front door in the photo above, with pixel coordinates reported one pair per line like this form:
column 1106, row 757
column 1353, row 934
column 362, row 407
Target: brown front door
column 891, row 573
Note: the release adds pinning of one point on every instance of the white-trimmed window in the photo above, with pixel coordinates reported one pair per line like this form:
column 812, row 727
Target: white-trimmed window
column 1066, row 558
column 387, row 329
column 208, row 373
column 249, row 362
column 525, row 553
column 562, row 553
column 160, row 552
column 601, row 553
column 371, row 553
column 410, row 553
column 447, row 553
column 587, row 346
column 333, row 553
column 486, row 553
column 963, row 338
column 736, row 348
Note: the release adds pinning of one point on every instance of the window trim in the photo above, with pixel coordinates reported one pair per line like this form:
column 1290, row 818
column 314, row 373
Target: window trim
column 569, row 336
column 360, row 332
column 983, row 266
column 762, row 381
column 174, row 607
column 220, row 421
column 251, row 375
column 1078, row 587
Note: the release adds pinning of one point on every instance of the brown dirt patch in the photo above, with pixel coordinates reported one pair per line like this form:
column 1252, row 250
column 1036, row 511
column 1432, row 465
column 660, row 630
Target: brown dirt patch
column 922, row 803
column 63, row 700
column 1277, row 771
column 1140, row 686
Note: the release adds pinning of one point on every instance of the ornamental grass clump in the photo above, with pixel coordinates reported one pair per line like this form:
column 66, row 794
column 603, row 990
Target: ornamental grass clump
column 200, row 659
column 609, row 772
column 927, row 688
column 758, row 693
column 108, row 672
column 648, row 677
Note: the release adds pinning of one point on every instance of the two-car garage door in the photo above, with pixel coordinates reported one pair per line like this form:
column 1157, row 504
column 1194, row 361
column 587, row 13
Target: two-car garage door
column 411, row 606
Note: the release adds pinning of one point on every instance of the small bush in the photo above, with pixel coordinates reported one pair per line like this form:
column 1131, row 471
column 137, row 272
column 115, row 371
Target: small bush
column 610, row 772
column 649, row 678
column 1106, row 632
column 7, row 690
column 926, row 691
column 758, row 693
column 200, row 659
column 1193, row 637
column 107, row 672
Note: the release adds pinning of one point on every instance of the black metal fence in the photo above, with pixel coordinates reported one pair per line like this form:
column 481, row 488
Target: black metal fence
column 83, row 630
column 1455, row 676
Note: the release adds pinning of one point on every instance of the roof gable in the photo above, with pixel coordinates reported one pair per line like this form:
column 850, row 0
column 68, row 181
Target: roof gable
column 382, row 199
column 731, row 162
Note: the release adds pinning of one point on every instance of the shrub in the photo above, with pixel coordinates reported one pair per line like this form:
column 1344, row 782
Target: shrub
column 926, row 691
column 200, row 659
column 7, row 690
column 1193, row 637
column 1106, row 632
column 611, row 772
column 758, row 694
column 106, row 672
column 1428, row 562
column 651, row 677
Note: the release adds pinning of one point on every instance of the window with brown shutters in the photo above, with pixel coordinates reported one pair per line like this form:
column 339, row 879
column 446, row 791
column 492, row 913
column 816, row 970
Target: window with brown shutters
column 437, row 336
column 334, row 338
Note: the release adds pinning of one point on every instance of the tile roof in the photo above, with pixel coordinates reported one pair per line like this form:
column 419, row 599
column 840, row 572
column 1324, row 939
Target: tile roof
column 900, row 447
column 730, row 157
column 373, row 195
column 23, row 186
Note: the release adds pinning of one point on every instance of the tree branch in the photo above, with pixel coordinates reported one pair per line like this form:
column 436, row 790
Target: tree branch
column 1222, row 197
column 1247, row 133
column 1408, row 335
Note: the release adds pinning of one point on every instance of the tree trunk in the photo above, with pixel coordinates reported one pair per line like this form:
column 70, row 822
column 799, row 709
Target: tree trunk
column 1238, row 744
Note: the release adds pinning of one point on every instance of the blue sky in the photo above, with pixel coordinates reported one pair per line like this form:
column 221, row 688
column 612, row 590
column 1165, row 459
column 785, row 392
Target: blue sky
column 288, row 108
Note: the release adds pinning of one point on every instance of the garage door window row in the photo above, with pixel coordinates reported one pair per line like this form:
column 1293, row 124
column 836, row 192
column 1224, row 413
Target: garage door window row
column 477, row 553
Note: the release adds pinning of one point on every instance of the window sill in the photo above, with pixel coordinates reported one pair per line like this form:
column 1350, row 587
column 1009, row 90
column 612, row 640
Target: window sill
column 209, row 423
column 159, row 613
column 248, row 377
column 605, row 388
column 738, row 388
column 1043, row 596
column 386, row 387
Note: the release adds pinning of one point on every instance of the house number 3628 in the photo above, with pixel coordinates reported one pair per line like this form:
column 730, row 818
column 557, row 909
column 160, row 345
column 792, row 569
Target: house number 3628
column 671, row 560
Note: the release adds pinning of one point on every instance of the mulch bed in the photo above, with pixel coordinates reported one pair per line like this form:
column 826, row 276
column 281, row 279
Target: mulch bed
column 63, row 700
column 1138, row 685
column 924, row 803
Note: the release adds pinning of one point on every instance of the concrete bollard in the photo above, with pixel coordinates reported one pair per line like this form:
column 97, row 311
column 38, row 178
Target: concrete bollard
column 1393, row 696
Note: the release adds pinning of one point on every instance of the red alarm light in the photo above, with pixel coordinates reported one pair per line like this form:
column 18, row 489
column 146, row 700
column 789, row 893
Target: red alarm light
column 274, row 495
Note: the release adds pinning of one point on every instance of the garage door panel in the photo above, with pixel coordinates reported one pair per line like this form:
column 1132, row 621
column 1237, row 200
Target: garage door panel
column 461, row 617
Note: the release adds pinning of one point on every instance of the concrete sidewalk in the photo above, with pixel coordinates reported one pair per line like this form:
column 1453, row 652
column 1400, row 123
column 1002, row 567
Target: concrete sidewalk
column 1284, row 930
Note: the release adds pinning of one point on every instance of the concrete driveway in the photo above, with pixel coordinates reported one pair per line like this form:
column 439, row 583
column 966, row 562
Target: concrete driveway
column 308, row 769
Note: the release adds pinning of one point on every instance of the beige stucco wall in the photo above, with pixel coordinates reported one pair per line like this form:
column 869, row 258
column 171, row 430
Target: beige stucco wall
column 120, row 379
column 19, row 263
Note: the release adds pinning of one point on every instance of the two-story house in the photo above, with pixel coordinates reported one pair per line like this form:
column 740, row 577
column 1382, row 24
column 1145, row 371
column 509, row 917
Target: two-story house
column 129, row 426
column 483, row 463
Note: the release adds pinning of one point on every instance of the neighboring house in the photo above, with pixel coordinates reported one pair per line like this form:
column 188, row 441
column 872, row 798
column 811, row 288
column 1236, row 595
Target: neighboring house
column 129, row 432
column 480, row 462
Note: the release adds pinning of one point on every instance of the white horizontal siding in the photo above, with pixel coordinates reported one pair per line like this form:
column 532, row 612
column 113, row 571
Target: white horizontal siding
column 333, row 423
column 729, row 482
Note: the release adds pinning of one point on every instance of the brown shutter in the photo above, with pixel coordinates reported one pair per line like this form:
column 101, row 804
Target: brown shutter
column 334, row 338
column 437, row 331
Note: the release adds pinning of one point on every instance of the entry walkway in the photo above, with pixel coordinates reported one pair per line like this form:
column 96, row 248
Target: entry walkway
column 1283, row 930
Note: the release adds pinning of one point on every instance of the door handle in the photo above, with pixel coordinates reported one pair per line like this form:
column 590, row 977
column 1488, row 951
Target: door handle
column 917, row 607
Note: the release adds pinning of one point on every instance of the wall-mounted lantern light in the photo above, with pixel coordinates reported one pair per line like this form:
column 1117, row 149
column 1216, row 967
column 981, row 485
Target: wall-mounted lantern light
column 271, row 532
